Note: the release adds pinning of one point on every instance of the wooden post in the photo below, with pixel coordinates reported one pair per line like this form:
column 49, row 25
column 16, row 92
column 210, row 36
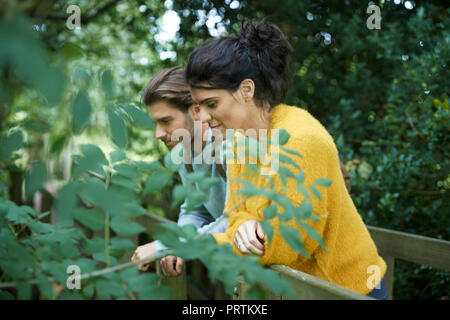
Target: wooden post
column 389, row 276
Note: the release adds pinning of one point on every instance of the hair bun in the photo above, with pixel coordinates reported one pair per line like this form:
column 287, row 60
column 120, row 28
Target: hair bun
column 258, row 35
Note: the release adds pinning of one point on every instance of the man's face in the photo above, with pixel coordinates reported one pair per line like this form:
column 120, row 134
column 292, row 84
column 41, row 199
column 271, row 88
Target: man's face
column 168, row 119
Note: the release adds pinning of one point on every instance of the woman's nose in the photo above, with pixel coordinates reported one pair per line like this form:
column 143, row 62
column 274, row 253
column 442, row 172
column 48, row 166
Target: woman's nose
column 204, row 115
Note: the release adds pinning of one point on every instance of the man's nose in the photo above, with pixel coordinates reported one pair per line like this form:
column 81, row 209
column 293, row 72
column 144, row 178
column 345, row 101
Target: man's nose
column 160, row 133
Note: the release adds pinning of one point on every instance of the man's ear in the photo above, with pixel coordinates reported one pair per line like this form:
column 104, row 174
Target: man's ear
column 194, row 112
column 247, row 89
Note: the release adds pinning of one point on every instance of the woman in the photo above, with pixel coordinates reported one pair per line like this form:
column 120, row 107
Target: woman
column 241, row 82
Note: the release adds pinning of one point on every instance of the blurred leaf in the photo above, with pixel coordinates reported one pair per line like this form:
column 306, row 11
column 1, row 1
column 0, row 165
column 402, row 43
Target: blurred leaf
column 139, row 117
column 44, row 285
column 268, row 230
column 35, row 179
column 125, row 227
column 65, row 204
column 293, row 239
column 315, row 191
column 117, row 155
column 270, row 212
column 157, row 181
column 9, row 144
column 81, row 112
column 108, row 84
column 323, row 182
column 179, row 194
column 312, row 233
column 119, row 131
column 283, row 137
column 90, row 218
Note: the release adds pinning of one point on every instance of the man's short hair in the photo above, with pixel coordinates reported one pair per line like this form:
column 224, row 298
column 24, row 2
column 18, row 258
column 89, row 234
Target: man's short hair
column 170, row 86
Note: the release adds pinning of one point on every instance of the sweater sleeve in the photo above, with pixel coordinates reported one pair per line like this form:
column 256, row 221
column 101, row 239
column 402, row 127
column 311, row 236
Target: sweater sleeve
column 319, row 160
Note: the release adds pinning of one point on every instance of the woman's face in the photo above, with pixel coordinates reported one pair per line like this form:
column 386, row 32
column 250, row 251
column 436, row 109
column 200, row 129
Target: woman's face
column 224, row 110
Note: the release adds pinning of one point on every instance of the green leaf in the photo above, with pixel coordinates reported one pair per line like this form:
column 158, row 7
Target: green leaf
column 207, row 183
column 270, row 212
column 315, row 191
column 178, row 195
column 323, row 182
column 125, row 227
column 125, row 182
column 66, row 202
column 303, row 191
column 268, row 230
column 5, row 295
column 194, row 199
column 157, row 181
column 44, row 285
column 81, row 112
column 23, row 290
column 35, row 179
column 293, row 152
column 128, row 171
column 256, row 292
column 113, row 288
column 293, row 239
column 170, row 156
column 283, row 136
column 139, row 117
column 90, row 218
column 286, row 159
column 9, row 144
column 118, row 128
column 312, row 233
column 304, row 211
column 117, row 155
column 93, row 159
column 88, row 291
column 108, row 84
column 300, row 177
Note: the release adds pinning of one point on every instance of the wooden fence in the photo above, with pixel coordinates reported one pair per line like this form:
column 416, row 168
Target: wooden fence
column 390, row 244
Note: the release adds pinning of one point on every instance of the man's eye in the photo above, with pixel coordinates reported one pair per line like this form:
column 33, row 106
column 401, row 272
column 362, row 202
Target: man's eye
column 165, row 122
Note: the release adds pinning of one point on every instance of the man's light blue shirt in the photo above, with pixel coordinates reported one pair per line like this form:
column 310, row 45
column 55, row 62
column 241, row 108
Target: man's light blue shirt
column 211, row 210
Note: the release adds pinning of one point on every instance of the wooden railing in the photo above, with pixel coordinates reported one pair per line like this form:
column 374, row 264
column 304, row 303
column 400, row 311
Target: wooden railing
column 391, row 245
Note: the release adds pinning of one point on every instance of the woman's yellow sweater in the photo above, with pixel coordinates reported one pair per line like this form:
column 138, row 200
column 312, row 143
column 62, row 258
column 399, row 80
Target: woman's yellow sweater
column 350, row 254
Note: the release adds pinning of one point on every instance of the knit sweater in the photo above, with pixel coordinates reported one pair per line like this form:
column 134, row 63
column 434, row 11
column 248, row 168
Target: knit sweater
column 351, row 253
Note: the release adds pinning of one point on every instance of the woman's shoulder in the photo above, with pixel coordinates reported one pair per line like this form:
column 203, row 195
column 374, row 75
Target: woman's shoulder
column 301, row 126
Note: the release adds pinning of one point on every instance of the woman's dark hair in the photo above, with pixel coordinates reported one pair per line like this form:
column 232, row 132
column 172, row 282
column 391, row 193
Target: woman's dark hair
column 168, row 85
column 259, row 52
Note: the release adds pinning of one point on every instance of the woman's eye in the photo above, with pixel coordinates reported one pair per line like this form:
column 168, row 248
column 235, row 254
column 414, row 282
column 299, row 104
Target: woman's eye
column 211, row 105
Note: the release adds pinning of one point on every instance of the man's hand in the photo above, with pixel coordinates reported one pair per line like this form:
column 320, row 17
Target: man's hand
column 171, row 266
column 250, row 237
column 142, row 252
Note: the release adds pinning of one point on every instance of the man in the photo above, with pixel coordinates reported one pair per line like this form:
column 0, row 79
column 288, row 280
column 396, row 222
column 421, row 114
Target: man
column 169, row 103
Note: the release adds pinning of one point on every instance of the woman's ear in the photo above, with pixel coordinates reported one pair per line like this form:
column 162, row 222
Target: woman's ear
column 247, row 89
column 194, row 112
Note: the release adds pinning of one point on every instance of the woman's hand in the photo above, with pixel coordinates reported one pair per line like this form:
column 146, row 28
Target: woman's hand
column 171, row 266
column 249, row 238
column 142, row 252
